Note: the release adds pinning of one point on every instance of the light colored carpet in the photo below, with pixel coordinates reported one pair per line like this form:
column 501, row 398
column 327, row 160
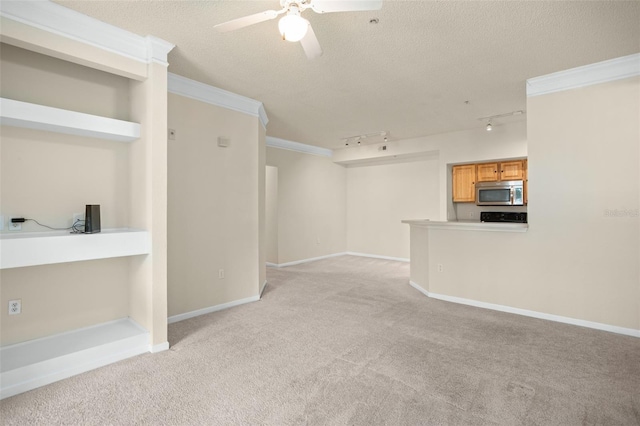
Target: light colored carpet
column 348, row 341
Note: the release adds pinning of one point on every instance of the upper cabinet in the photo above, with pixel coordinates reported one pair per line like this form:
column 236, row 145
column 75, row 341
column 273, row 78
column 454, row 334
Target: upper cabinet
column 495, row 172
column 512, row 170
column 465, row 177
column 487, row 172
column 464, row 183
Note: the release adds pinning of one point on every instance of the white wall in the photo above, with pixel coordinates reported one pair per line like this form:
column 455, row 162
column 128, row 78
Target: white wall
column 311, row 205
column 214, row 206
column 380, row 196
column 271, row 214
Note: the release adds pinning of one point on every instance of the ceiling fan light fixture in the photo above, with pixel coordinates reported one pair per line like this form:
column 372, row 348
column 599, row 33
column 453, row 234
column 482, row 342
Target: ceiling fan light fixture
column 292, row 26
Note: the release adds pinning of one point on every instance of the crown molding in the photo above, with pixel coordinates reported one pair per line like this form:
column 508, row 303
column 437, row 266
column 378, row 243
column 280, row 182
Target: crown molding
column 57, row 19
column 212, row 95
column 158, row 49
column 600, row 72
column 299, row 147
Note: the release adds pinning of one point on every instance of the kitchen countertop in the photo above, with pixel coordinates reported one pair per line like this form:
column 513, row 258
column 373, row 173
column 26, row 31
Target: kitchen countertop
column 463, row 225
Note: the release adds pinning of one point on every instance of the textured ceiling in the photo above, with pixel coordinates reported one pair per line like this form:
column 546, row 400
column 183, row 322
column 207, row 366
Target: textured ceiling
column 410, row 74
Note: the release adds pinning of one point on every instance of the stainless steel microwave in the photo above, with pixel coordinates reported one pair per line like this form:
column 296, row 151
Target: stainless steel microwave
column 507, row 193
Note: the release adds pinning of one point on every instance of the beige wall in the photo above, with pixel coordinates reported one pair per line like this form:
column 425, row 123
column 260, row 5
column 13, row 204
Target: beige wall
column 576, row 260
column 63, row 297
column 214, row 205
column 311, row 205
column 31, row 77
column 271, row 214
column 379, row 197
column 507, row 140
column 49, row 177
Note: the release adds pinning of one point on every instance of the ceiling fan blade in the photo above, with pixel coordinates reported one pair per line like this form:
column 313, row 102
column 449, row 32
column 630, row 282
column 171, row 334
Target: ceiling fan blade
column 311, row 45
column 325, row 6
column 245, row 21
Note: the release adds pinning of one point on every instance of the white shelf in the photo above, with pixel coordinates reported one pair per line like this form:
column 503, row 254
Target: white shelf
column 36, row 363
column 43, row 248
column 40, row 117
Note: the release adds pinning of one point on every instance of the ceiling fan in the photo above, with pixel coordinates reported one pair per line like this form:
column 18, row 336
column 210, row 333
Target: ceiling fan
column 294, row 27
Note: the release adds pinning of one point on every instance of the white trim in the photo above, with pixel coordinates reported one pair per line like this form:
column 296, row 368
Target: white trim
column 527, row 313
column 34, row 363
column 60, row 20
column 311, row 259
column 420, row 289
column 216, row 308
column 212, row 95
column 264, row 285
column 159, row 347
column 298, row 147
column 272, row 265
column 262, row 115
column 601, row 72
column 158, row 49
column 376, row 256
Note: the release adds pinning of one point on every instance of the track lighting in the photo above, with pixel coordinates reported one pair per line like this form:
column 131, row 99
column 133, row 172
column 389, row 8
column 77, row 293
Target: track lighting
column 490, row 118
column 371, row 138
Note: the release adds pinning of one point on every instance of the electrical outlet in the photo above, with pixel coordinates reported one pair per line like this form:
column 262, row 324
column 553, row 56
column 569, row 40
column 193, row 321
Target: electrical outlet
column 15, row 307
column 15, row 226
column 440, row 267
column 220, row 274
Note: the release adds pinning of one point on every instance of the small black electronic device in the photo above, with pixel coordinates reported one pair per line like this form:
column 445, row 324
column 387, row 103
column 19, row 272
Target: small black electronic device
column 513, row 217
column 92, row 219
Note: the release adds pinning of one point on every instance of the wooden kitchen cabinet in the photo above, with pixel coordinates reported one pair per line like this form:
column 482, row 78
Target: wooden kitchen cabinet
column 487, row 172
column 512, row 170
column 526, row 182
column 464, row 183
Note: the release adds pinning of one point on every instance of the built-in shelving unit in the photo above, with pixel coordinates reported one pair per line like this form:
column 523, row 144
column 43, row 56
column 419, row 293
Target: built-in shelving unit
column 38, row 362
column 40, row 117
column 54, row 31
column 44, row 248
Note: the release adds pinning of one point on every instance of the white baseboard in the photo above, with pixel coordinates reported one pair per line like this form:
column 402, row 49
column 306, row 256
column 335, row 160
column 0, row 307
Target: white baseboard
column 350, row 253
column 311, row 259
column 216, row 308
column 527, row 313
column 39, row 362
column 264, row 285
column 159, row 347
column 377, row 256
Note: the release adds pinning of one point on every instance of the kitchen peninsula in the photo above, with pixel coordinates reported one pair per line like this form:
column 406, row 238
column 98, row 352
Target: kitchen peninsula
column 468, row 262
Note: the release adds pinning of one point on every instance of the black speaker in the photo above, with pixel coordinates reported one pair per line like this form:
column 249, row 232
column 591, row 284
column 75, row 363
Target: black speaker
column 92, row 219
